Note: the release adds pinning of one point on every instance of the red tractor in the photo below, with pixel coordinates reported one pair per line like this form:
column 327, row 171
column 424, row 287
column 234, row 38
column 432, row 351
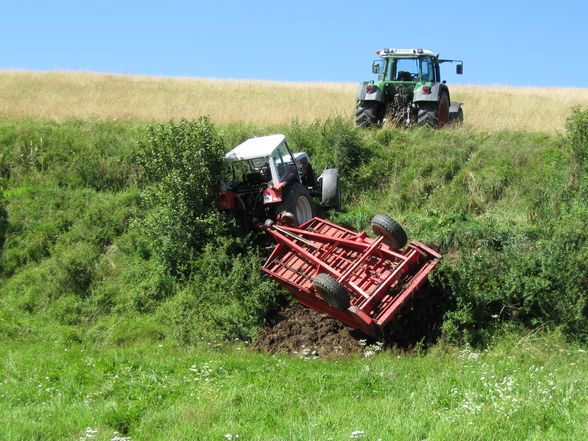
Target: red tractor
column 269, row 181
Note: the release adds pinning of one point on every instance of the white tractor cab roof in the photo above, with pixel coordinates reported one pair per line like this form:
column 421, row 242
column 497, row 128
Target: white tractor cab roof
column 260, row 147
column 405, row 53
column 267, row 151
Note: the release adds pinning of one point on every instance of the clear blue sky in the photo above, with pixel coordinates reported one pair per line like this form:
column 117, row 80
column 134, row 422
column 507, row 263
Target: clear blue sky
column 516, row 42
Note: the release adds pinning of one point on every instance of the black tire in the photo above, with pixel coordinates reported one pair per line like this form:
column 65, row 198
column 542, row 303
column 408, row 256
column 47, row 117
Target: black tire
column 331, row 291
column 394, row 234
column 298, row 202
column 331, row 188
column 434, row 114
column 367, row 114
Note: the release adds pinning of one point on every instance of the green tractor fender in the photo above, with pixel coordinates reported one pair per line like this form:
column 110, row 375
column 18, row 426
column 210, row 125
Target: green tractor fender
column 432, row 94
column 371, row 91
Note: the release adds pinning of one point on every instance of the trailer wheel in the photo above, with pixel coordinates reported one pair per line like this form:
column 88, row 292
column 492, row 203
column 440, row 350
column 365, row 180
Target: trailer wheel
column 366, row 113
column 394, row 234
column 331, row 291
column 331, row 188
column 297, row 204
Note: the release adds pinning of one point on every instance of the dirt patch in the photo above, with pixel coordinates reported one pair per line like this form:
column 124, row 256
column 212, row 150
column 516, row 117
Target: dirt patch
column 304, row 332
column 307, row 333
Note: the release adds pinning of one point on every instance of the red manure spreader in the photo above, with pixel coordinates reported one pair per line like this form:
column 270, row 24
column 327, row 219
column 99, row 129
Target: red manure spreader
column 360, row 281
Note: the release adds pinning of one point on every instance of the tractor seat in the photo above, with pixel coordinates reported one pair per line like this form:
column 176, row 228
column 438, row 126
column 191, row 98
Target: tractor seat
column 255, row 178
column 404, row 76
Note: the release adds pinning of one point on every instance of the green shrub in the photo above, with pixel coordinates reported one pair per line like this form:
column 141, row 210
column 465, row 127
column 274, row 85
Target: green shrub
column 183, row 163
column 228, row 297
column 577, row 141
column 3, row 220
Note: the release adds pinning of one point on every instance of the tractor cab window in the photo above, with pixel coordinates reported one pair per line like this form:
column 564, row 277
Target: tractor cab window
column 253, row 171
column 283, row 161
column 406, row 69
column 238, row 171
column 426, row 70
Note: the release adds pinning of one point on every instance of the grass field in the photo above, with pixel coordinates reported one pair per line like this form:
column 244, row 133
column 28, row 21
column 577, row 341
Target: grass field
column 59, row 95
column 533, row 388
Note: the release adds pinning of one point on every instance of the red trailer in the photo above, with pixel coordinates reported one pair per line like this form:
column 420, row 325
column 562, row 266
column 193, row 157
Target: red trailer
column 360, row 281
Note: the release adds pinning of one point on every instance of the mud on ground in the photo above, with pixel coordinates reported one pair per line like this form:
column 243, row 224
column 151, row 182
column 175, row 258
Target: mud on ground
column 304, row 332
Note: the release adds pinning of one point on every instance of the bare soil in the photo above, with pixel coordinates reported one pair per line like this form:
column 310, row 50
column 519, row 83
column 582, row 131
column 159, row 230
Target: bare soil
column 302, row 331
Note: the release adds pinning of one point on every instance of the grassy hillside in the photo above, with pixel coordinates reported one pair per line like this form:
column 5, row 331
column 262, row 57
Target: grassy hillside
column 61, row 95
column 93, row 238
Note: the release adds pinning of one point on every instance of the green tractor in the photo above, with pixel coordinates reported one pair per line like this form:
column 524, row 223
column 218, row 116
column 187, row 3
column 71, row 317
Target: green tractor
column 408, row 91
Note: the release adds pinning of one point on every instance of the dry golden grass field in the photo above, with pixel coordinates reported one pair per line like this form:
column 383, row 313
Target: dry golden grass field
column 61, row 94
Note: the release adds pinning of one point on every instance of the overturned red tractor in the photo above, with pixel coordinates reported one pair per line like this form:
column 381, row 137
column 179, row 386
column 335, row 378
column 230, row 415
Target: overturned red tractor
column 360, row 281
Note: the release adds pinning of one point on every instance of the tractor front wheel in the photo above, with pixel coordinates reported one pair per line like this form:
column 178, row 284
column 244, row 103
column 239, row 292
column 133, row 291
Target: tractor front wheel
column 331, row 188
column 458, row 119
column 297, row 207
column 367, row 114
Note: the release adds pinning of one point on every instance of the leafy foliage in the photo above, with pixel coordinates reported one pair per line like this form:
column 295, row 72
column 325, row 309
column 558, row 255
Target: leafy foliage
column 577, row 140
column 183, row 163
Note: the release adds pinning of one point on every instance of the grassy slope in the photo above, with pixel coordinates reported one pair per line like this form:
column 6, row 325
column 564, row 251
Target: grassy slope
column 59, row 95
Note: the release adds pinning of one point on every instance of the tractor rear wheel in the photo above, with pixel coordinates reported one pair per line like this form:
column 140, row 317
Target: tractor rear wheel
column 367, row 114
column 331, row 291
column 434, row 114
column 394, row 234
column 297, row 204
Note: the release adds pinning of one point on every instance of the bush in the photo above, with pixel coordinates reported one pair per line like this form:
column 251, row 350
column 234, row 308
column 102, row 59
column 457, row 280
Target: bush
column 524, row 275
column 228, row 297
column 183, row 163
column 3, row 220
column 577, row 141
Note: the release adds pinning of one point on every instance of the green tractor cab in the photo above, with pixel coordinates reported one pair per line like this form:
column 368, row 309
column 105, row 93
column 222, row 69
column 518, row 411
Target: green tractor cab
column 408, row 91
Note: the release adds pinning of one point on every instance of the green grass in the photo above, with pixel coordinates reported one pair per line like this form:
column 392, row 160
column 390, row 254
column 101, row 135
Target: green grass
column 524, row 389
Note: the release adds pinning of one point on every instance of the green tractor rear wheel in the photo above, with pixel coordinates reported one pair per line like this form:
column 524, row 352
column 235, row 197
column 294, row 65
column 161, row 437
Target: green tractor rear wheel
column 434, row 114
column 367, row 114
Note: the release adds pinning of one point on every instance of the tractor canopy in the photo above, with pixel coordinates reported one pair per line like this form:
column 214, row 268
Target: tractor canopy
column 259, row 147
column 406, row 66
column 265, row 159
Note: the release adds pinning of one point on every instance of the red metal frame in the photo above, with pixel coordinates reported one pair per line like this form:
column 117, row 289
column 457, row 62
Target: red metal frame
column 379, row 279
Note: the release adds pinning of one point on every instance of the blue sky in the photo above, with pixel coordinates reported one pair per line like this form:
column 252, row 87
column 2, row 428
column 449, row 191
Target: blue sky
column 516, row 42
